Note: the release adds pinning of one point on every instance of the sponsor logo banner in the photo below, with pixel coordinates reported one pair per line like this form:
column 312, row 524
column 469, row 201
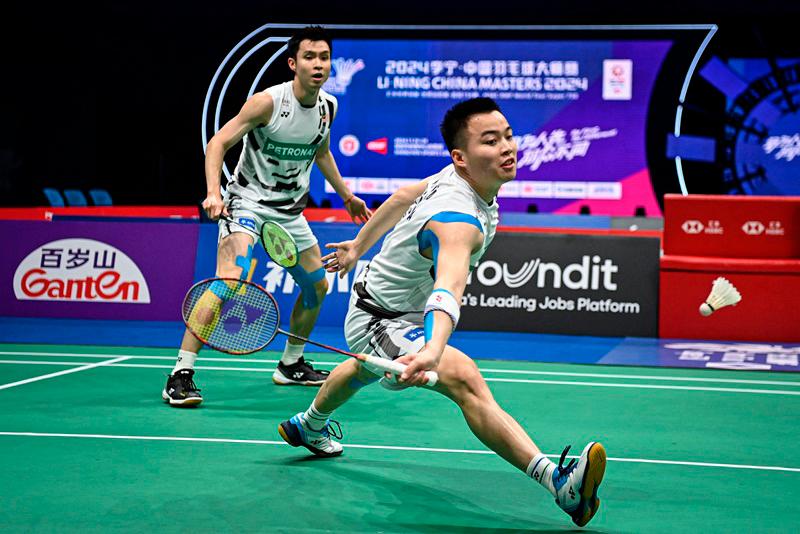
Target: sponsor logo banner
column 288, row 151
column 349, row 145
column 81, row 270
column 731, row 355
column 96, row 270
column 565, row 284
column 741, row 227
column 575, row 107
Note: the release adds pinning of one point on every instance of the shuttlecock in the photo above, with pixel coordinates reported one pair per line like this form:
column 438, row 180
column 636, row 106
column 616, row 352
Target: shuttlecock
column 723, row 293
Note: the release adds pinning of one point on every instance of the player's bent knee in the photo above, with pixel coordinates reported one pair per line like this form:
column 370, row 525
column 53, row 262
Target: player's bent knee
column 313, row 285
column 321, row 289
column 464, row 380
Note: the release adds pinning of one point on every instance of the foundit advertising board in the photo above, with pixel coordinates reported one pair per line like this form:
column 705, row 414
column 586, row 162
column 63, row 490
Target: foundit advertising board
column 565, row 284
column 578, row 110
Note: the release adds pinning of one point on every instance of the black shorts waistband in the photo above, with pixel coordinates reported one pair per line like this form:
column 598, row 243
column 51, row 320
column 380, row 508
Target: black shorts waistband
column 362, row 303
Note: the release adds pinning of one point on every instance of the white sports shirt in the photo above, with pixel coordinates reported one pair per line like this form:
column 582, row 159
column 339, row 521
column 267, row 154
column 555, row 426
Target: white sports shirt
column 399, row 278
column 275, row 164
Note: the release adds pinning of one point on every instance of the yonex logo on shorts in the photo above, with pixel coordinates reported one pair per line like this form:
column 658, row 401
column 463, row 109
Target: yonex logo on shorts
column 414, row 334
column 247, row 223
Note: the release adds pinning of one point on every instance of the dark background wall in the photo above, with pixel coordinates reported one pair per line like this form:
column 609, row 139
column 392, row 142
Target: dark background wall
column 111, row 96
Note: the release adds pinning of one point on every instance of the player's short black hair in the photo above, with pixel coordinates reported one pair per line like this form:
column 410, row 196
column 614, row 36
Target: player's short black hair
column 312, row 33
column 455, row 120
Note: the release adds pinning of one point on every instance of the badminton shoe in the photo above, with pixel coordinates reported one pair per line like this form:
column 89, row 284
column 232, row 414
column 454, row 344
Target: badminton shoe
column 299, row 373
column 576, row 483
column 181, row 390
column 297, row 433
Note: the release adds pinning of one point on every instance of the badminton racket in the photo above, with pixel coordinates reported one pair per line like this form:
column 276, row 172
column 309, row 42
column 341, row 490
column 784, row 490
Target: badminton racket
column 239, row 317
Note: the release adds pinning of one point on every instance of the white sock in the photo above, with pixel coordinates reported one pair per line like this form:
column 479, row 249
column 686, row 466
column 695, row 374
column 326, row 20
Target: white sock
column 186, row 360
column 316, row 419
column 292, row 353
column 541, row 470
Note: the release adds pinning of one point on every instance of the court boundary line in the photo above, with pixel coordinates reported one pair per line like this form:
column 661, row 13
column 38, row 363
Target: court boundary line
column 64, row 372
column 387, row 447
column 482, row 369
column 110, row 363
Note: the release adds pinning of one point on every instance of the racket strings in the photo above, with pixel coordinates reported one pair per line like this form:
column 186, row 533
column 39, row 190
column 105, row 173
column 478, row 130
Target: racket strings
column 243, row 320
column 279, row 244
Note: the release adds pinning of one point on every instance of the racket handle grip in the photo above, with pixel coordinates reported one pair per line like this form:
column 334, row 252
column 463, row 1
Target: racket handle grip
column 397, row 368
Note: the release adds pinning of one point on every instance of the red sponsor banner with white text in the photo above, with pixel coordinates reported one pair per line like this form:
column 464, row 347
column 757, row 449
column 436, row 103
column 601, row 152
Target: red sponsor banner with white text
column 732, row 226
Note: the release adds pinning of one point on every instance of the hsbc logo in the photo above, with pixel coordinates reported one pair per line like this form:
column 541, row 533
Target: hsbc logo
column 712, row 227
column 753, row 228
column 692, row 227
column 775, row 228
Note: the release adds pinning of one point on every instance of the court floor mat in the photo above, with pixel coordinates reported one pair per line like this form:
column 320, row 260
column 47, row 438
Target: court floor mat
column 87, row 444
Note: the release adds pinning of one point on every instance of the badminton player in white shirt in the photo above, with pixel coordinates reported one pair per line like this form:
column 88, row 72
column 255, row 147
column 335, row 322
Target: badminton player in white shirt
column 406, row 304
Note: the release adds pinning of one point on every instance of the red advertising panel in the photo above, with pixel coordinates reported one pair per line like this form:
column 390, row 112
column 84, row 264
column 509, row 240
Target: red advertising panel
column 732, row 226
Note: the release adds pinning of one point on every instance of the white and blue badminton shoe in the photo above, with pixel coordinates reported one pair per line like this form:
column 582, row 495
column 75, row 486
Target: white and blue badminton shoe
column 576, row 484
column 297, row 433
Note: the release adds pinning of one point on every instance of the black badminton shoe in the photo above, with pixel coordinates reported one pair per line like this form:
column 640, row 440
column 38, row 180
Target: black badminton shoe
column 181, row 390
column 299, row 373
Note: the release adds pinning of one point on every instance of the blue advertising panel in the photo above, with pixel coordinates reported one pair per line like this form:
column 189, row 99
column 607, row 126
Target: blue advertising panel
column 578, row 110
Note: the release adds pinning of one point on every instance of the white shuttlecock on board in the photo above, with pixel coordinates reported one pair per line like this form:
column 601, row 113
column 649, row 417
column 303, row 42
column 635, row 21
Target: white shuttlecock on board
column 723, row 293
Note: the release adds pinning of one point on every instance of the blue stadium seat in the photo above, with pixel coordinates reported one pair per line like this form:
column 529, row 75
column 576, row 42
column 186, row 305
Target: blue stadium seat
column 75, row 197
column 53, row 197
column 100, row 197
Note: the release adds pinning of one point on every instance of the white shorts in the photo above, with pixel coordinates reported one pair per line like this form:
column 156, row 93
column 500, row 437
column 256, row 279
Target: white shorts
column 387, row 338
column 251, row 215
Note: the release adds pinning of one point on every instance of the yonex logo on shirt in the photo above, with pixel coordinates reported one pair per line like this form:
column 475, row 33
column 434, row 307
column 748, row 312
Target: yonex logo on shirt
column 290, row 151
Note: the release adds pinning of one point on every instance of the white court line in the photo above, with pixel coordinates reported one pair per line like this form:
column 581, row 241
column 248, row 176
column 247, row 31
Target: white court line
column 648, row 377
column 482, row 369
column 645, row 386
column 488, row 379
column 65, row 372
column 388, row 447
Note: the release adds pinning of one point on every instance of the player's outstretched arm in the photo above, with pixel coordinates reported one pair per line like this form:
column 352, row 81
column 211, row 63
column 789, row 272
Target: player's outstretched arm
column 257, row 110
column 452, row 243
column 347, row 253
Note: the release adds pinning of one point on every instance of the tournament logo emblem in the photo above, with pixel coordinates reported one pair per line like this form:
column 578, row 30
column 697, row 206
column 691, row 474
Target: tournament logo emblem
column 343, row 72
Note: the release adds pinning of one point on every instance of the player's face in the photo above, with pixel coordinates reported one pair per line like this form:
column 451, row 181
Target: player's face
column 313, row 63
column 490, row 152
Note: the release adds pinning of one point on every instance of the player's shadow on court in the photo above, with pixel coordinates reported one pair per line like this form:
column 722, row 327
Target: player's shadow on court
column 408, row 498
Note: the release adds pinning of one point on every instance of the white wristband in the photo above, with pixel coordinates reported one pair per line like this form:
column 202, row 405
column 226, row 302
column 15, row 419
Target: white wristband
column 443, row 300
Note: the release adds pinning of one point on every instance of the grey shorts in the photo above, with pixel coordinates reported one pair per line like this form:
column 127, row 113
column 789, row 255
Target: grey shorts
column 251, row 215
column 387, row 338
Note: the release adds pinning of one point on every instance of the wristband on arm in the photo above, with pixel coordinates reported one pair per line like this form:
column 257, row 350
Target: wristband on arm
column 441, row 300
